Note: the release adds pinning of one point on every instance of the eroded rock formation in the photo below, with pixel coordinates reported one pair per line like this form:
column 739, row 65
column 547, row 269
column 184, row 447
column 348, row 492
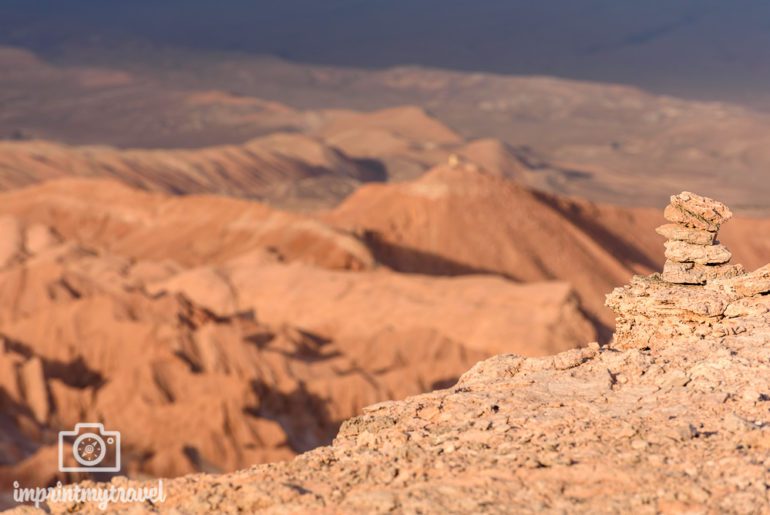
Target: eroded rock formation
column 216, row 333
column 668, row 420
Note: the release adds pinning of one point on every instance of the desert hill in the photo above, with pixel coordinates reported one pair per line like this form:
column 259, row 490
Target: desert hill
column 457, row 220
column 257, row 169
column 312, row 160
column 460, row 219
column 421, row 227
column 143, row 225
column 671, row 417
column 289, row 170
column 408, row 123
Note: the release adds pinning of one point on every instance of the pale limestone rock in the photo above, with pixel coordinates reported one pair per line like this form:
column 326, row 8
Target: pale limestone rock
column 688, row 234
column 649, row 298
column 725, row 271
column 683, row 252
column 586, row 431
column 703, row 208
column 691, row 249
column 676, row 215
column 691, row 273
column 753, row 283
column 680, row 273
column 748, row 307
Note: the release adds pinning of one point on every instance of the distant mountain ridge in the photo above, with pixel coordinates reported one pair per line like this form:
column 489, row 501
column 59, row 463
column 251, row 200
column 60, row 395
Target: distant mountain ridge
column 604, row 142
column 707, row 49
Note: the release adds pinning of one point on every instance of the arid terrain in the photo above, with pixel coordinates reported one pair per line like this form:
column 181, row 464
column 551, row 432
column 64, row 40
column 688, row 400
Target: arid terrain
column 336, row 289
column 279, row 324
column 250, row 333
column 668, row 418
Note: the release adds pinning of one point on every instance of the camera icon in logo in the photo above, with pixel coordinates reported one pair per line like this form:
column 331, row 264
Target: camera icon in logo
column 94, row 448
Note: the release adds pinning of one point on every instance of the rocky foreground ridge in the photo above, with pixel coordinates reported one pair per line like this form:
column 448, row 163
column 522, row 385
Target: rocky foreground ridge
column 670, row 417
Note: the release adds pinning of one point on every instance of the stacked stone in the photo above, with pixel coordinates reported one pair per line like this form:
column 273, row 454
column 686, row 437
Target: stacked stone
column 693, row 253
column 698, row 295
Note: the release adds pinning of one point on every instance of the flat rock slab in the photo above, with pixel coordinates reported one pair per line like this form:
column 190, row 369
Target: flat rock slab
column 752, row 306
column 651, row 297
column 753, row 283
column 683, row 252
column 691, row 273
column 688, row 234
column 705, row 209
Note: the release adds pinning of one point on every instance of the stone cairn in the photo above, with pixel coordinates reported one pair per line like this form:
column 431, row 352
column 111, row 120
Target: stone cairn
column 699, row 294
column 693, row 253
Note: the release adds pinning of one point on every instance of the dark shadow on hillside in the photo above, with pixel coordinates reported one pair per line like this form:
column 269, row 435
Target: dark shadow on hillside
column 305, row 345
column 443, row 384
column 303, row 416
column 625, row 251
column 604, row 332
column 73, row 373
column 412, row 261
column 373, row 170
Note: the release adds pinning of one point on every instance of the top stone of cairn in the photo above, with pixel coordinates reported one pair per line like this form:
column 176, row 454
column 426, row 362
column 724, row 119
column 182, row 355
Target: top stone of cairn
column 693, row 253
column 698, row 212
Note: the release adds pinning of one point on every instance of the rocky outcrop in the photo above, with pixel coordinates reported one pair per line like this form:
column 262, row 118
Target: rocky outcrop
column 698, row 294
column 486, row 313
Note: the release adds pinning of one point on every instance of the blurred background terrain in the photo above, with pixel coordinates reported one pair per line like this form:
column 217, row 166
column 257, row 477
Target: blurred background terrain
column 226, row 229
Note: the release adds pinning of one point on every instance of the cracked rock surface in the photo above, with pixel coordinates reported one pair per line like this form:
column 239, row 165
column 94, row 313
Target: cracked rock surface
column 668, row 429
